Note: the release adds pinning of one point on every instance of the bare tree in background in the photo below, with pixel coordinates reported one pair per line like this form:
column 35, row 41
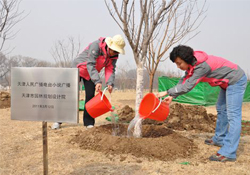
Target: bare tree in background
column 181, row 20
column 4, row 69
column 9, row 17
column 44, row 64
column 63, row 52
column 6, row 63
column 139, row 29
column 123, row 78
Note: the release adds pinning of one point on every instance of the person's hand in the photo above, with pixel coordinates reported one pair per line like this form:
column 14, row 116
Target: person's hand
column 110, row 88
column 168, row 100
column 161, row 94
column 98, row 87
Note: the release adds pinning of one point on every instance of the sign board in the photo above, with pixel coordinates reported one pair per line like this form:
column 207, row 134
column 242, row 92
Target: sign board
column 45, row 94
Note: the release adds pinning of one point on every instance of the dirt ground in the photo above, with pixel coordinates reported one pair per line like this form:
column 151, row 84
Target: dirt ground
column 175, row 146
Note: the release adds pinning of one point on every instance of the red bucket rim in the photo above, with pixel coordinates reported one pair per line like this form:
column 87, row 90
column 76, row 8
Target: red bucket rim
column 154, row 103
column 106, row 100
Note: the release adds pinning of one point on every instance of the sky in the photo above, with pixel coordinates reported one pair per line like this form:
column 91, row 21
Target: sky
column 225, row 32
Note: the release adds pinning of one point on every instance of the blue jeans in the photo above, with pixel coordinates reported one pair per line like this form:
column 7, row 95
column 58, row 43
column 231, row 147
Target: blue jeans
column 229, row 114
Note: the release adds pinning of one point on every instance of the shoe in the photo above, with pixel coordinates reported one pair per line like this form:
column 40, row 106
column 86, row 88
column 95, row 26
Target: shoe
column 56, row 125
column 211, row 142
column 220, row 158
column 89, row 126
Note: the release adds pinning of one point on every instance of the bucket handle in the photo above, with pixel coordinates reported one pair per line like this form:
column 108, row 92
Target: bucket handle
column 157, row 106
column 104, row 92
column 103, row 95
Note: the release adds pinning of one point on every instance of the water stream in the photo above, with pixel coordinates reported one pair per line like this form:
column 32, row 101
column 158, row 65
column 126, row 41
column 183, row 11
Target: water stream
column 135, row 127
column 115, row 124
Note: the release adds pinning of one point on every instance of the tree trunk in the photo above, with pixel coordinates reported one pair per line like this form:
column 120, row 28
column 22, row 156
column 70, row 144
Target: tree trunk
column 139, row 87
column 151, row 82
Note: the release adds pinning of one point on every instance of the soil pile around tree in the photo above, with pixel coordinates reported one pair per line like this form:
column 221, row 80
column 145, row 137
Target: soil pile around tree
column 159, row 139
column 157, row 142
column 4, row 100
column 181, row 117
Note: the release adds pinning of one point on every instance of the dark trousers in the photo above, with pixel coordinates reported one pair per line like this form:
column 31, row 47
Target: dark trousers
column 89, row 94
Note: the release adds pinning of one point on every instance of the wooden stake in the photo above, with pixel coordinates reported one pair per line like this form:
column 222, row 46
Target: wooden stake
column 45, row 149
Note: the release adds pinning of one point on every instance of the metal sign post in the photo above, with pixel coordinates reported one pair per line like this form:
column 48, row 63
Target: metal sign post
column 45, row 149
column 45, row 94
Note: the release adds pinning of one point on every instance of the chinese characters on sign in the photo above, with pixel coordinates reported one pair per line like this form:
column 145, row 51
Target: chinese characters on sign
column 44, row 84
column 45, row 96
column 43, row 106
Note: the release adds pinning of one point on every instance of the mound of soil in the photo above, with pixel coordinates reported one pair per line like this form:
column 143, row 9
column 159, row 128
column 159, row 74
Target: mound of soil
column 126, row 114
column 4, row 100
column 190, row 117
column 181, row 117
column 157, row 142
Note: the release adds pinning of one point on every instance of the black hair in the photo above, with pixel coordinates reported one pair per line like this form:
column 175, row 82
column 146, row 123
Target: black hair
column 186, row 53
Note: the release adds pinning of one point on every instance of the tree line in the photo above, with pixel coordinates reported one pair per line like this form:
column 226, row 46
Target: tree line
column 125, row 77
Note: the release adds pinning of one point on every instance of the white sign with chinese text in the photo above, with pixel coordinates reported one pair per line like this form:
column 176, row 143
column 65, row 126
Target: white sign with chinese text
column 45, row 94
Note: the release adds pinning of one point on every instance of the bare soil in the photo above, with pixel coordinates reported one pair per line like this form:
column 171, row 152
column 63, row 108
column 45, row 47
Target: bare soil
column 151, row 146
column 4, row 99
column 181, row 117
column 175, row 146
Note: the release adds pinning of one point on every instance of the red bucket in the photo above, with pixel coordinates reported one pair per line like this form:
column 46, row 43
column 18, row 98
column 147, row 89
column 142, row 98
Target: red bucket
column 98, row 105
column 153, row 108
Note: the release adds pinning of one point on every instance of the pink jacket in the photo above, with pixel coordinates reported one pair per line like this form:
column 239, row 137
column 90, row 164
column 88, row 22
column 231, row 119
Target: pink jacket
column 93, row 59
column 215, row 70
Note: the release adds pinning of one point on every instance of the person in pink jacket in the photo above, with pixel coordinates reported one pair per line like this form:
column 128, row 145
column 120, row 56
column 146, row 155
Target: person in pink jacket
column 102, row 53
column 217, row 71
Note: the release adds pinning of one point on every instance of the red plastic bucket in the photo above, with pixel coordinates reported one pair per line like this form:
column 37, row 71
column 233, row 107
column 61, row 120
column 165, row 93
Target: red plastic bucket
column 98, row 105
column 153, row 108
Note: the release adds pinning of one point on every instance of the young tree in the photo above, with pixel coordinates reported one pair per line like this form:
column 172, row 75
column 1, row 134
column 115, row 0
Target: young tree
column 138, row 29
column 182, row 20
column 9, row 17
column 64, row 52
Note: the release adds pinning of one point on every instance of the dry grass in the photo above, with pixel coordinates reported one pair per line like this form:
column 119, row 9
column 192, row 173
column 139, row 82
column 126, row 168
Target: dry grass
column 21, row 151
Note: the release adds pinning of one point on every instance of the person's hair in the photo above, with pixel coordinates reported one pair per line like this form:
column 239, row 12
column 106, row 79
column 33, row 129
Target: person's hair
column 186, row 53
